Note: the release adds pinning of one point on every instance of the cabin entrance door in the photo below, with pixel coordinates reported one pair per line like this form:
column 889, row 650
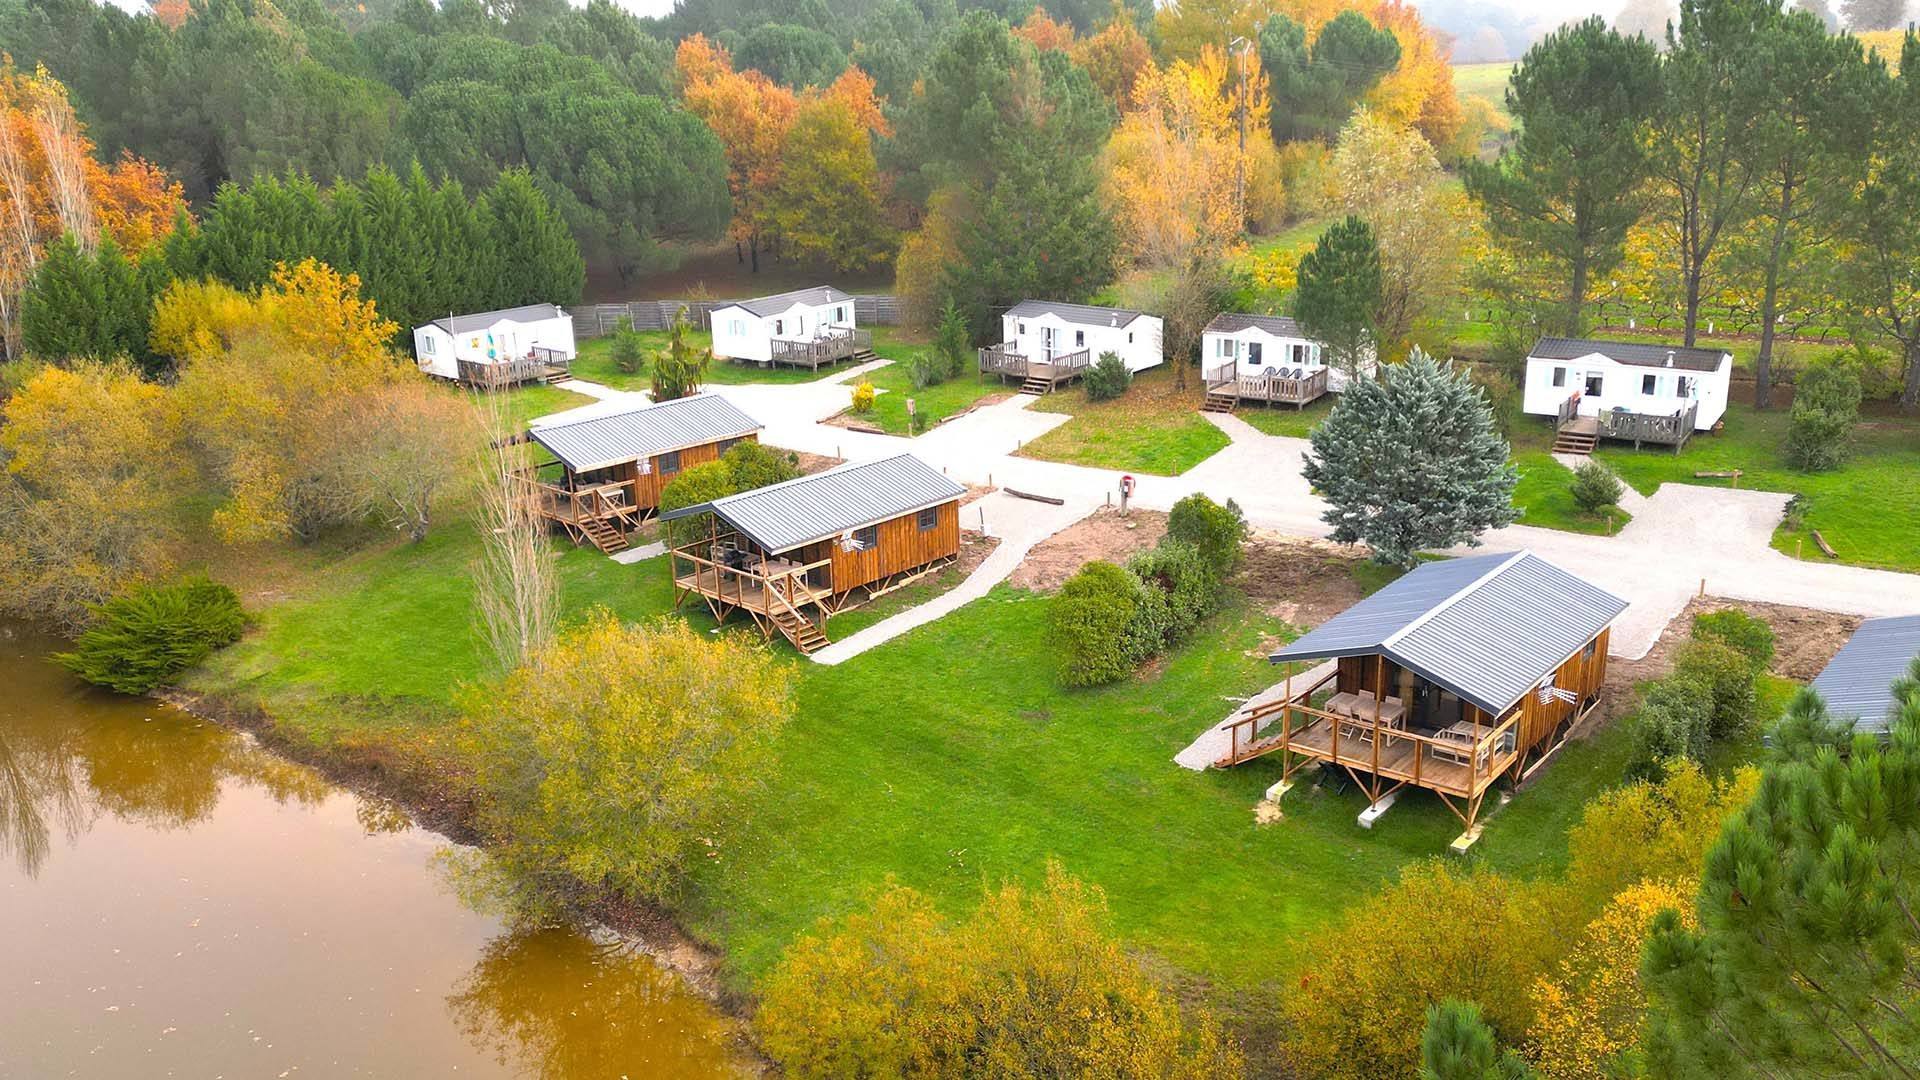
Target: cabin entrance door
column 1435, row 708
column 1048, row 338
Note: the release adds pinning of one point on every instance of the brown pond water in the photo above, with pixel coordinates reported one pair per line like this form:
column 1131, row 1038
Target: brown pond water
column 174, row 902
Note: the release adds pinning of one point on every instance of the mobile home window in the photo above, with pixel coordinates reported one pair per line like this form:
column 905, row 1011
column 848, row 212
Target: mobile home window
column 1649, row 384
column 725, row 445
column 929, row 518
column 1592, row 647
column 1595, row 384
column 1689, row 387
column 427, row 342
column 737, row 327
column 779, row 326
column 670, row 463
column 1079, row 339
column 1022, row 328
column 866, row 539
column 1559, row 376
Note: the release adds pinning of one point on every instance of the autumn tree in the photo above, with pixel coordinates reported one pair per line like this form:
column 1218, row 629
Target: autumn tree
column 1390, row 179
column 1030, row 984
column 89, row 496
column 1115, row 57
column 264, row 409
column 516, row 582
column 616, row 751
column 1591, row 1007
column 1042, row 32
column 1412, row 462
column 825, row 199
column 1360, row 1004
column 1568, row 189
column 750, row 114
column 396, row 450
column 1651, row 829
column 920, row 269
column 1419, row 91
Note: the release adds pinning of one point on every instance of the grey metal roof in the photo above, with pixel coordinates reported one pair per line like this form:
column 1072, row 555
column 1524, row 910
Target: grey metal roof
column 1858, row 681
column 1232, row 322
column 780, row 517
column 1487, row 627
column 816, row 296
column 615, row 438
column 1637, row 353
column 480, row 320
column 1082, row 314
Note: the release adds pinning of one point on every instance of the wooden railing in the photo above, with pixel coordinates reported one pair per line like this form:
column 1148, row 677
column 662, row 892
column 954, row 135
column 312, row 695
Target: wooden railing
column 1003, row 359
column 1648, row 427
column 1569, row 412
column 1432, row 765
column 1062, row 366
column 600, row 502
column 489, row 375
column 833, row 345
column 781, row 589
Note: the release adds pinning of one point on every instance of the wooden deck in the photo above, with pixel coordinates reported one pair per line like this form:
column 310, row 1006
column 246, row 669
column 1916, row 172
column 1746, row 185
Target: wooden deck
column 774, row 593
column 1227, row 388
column 1380, row 757
column 830, row 348
column 601, row 514
column 1035, row 375
column 543, row 365
column 1621, row 425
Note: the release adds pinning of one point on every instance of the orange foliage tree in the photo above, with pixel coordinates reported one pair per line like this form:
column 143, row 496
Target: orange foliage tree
column 50, row 183
column 1115, row 56
column 1418, row 92
column 1045, row 33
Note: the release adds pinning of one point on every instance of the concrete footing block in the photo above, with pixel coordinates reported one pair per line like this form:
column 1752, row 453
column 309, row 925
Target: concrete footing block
column 1465, row 841
column 1373, row 813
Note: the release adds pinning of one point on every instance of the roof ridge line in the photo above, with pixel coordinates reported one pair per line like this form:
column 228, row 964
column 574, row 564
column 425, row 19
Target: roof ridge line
column 1427, row 616
column 645, row 406
column 846, row 467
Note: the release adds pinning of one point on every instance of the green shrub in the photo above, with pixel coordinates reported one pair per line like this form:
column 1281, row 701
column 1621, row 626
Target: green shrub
column 1826, row 404
column 755, row 466
column 1107, row 378
column 1216, row 531
column 1725, row 675
column 695, row 484
column 1594, row 487
column 1190, row 585
column 1090, row 620
column 1671, row 723
column 926, row 371
column 1735, row 628
column 153, row 633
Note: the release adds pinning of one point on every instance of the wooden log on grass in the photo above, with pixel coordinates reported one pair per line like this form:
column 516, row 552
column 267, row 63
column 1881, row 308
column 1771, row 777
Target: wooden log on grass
column 1825, row 547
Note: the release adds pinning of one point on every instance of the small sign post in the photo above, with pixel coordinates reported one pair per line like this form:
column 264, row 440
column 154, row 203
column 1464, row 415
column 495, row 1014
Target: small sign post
column 1126, row 492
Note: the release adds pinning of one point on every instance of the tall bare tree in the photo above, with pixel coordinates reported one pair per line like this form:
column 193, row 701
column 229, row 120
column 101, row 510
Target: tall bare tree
column 516, row 584
column 59, row 134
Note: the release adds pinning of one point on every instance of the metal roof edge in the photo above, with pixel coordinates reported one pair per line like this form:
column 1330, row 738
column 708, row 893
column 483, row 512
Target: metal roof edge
column 1447, row 602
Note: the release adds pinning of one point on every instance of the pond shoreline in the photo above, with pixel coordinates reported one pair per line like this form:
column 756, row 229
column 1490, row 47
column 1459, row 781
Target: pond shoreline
column 431, row 797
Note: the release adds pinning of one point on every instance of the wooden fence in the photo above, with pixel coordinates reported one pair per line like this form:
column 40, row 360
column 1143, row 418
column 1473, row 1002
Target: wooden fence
column 597, row 320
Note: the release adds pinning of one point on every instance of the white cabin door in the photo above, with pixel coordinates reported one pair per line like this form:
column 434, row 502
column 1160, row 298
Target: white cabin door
column 1048, row 335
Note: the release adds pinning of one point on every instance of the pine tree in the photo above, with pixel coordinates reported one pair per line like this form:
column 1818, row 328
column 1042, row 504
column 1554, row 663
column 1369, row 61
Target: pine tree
column 1412, row 462
column 1807, row 960
column 951, row 343
column 1339, row 293
column 682, row 368
column 126, row 306
column 1458, row 1045
column 538, row 258
column 64, row 314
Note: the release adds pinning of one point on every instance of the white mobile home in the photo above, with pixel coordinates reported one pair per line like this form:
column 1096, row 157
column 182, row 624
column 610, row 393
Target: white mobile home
column 805, row 328
column 1265, row 358
column 497, row 348
column 1627, row 390
column 1046, row 330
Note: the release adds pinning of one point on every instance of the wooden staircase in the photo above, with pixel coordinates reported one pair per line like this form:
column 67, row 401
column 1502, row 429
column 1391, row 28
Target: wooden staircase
column 805, row 636
column 556, row 375
column 863, row 356
column 1570, row 441
column 1219, row 402
column 1036, row 387
column 607, row 538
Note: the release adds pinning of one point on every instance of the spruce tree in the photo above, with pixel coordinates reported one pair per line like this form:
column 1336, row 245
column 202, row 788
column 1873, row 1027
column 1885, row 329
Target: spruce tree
column 393, row 271
column 538, row 258
column 1339, row 293
column 64, row 313
column 126, row 308
column 1412, row 462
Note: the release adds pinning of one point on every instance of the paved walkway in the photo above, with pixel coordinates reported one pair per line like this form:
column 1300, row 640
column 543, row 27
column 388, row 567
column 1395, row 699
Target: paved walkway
column 1683, row 540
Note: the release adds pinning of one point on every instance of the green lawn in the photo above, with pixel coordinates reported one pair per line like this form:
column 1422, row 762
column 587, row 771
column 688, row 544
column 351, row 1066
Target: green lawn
column 1545, row 500
column 595, row 363
column 933, row 403
column 1866, row 509
column 1149, row 429
column 526, row 403
column 1286, row 420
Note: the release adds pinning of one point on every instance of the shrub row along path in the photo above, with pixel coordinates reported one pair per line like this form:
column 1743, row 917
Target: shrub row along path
column 1684, row 540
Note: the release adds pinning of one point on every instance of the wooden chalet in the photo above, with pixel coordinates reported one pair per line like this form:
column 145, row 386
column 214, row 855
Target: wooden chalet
column 1858, row 683
column 610, row 463
column 790, row 554
column 1457, row 675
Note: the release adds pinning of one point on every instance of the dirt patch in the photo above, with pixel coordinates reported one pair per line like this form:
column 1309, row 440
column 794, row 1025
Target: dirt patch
column 808, row 464
column 1804, row 640
column 1104, row 534
column 851, row 422
column 1302, row 582
column 974, row 549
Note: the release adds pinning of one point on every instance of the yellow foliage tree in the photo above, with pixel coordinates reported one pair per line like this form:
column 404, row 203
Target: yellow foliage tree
column 1418, row 92
column 89, row 498
column 920, row 270
column 270, row 402
column 1029, row 985
column 1115, row 56
column 619, row 751
column 200, row 318
column 1188, row 27
column 1652, row 830
column 1366, row 983
column 1590, row 1010
column 1174, row 164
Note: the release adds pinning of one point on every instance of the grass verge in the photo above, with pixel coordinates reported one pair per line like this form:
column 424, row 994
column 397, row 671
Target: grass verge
column 933, row 403
column 1544, row 498
column 1152, row 428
